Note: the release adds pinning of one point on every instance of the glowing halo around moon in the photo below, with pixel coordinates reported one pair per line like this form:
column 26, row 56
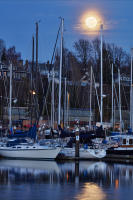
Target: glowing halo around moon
column 91, row 22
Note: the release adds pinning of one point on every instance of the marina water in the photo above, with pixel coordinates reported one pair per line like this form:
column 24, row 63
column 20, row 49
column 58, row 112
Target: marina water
column 50, row 180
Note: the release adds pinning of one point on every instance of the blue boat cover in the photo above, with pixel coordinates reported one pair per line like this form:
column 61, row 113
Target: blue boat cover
column 31, row 133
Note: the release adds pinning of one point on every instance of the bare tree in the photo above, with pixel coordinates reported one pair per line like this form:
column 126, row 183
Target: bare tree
column 2, row 47
column 83, row 50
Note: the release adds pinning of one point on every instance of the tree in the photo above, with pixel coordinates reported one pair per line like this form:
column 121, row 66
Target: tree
column 83, row 50
column 4, row 56
column 13, row 56
column 2, row 47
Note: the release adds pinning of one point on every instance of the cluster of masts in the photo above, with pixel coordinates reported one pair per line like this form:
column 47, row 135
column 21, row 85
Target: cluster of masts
column 61, row 30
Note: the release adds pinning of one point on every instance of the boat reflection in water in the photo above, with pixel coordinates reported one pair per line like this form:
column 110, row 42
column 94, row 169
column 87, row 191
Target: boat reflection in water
column 80, row 180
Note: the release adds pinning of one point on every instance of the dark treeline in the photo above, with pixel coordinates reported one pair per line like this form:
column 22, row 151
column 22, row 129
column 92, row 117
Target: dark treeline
column 87, row 53
column 9, row 55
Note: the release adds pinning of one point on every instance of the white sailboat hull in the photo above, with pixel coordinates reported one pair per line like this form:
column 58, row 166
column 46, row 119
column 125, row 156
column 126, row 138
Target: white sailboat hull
column 30, row 153
column 84, row 153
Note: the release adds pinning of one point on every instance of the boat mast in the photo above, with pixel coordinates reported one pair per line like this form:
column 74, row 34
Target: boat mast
column 131, row 91
column 120, row 101
column 90, row 100
column 32, row 69
column 68, row 101
column 53, row 76
column 36, row 75
column 112, row 95
column 65, row 109
column 10, row 100
column 101, row 110
column 36, row 46
column 114, row 113
column 60, row 75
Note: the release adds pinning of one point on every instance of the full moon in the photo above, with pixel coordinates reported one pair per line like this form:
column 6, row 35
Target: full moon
column 91, row 22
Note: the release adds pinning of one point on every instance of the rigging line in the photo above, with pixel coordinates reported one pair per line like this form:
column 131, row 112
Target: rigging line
column 42, row 89
column 55, row 44
column 45, row 97
column 17, row 94
column 96, row 90
column 116, row 95
column 117, row 101
column 76, row 89
column 45, row 101
column 125, row 96
column 41, row 79
column 45, row 105
column 115, row 92
column 36, row 103
column 5, row 89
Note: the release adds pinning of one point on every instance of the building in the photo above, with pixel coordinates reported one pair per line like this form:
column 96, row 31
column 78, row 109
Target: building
column 74, row 115
column 19, row 72
column 17, row 113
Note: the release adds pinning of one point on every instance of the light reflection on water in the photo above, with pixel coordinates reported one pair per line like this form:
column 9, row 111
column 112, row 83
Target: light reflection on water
column 80, row 181
column 91, row 191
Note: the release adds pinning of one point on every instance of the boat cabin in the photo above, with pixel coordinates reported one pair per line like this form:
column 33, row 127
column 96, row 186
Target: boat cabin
column 127, row 141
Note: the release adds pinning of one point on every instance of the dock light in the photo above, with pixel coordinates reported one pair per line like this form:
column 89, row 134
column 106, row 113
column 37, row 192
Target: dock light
column 33, row 92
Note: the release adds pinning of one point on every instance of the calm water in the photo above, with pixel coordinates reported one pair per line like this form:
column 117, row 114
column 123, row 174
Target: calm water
column 42, row 180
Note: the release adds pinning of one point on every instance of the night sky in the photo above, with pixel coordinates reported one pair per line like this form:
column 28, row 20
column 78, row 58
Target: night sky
column 18, row 17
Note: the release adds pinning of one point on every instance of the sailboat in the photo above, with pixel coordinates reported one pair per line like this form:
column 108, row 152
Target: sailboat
column 30, row 152
column 84, row 153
